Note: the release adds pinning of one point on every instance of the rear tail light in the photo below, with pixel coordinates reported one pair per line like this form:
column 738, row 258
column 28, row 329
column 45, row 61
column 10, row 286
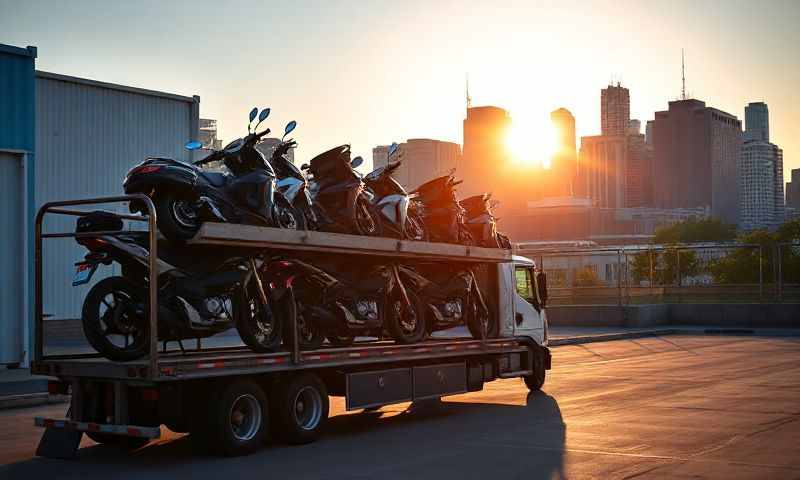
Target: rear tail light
column 93, row 243
column 148, row 169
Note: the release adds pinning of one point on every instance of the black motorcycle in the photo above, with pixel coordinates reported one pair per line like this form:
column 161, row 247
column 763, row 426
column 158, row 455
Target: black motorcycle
column 452, row 298
column 341, row 202
column 368, row 301
column 441, row 212
column 196, row 299
column 186, row 195
column 400, row 216
column 291, row 182
column 481, row 222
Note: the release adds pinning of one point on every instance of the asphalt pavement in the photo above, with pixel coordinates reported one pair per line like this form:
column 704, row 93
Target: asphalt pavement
column 658, row 407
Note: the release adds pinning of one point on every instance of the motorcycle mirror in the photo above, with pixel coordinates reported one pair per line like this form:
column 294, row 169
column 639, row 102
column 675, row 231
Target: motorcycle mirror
column 393, row 149
column 356, row 162
column 253, row 114
column 263, row 115
column 193, row 145
column 304, row 166
column 289, row 128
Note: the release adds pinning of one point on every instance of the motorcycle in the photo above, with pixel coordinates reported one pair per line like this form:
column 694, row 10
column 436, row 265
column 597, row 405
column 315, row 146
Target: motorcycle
column 441, row 212
column 341, row 203
column 452, row 298
column 399, row 214
column 482, row 224
column 195, row 299
column 369, row 301
column 186, row 195
column 291, row 181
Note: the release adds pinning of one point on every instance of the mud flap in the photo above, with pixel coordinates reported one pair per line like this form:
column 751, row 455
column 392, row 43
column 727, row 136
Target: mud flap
column 59, row 443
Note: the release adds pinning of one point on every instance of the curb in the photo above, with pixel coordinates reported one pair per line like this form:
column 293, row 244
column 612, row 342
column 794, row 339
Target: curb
column 607, row 337
column 31, row 400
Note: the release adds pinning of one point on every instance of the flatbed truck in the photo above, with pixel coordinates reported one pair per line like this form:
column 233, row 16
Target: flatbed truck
column 230, row 399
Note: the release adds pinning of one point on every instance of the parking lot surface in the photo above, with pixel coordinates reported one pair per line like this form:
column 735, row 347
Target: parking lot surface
column 672, row 406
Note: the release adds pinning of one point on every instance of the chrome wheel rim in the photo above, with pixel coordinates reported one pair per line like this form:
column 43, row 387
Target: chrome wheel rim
column 307, row 408
column 406, row 317
column 245, row 417
column 184, row 214
column 286, row 218
column 365, row 221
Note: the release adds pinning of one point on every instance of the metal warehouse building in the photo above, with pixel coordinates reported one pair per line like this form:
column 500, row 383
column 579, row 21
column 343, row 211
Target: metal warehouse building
column 61, row 138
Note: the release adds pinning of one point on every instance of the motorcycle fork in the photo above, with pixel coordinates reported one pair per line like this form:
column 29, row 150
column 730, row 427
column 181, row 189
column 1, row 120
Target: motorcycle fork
column 400, row 286
column 260, row 286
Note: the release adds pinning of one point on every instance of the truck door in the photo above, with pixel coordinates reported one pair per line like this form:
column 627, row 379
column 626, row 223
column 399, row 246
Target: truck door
column 529, row 318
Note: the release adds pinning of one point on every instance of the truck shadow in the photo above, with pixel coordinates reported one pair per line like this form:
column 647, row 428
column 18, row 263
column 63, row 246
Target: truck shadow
column 431, row 439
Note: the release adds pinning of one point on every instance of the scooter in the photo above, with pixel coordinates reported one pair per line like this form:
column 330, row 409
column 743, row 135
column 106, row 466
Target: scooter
column 195, row 299
column 369, row 301
column 399, row 214
column 441, row 211
column 186, row 195
column 291, row 181
column 341, row 202
column 482, row 224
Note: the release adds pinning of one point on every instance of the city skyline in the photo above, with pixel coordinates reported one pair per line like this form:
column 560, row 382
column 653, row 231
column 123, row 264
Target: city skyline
column 514, row 65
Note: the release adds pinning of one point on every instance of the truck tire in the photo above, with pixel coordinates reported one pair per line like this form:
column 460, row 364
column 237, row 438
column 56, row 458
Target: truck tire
column 118, row 441
column 236, row 420
column 299, row 408
column 535, row 381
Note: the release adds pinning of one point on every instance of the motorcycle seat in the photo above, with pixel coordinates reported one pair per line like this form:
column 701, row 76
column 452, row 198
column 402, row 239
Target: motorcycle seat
column 216, row 179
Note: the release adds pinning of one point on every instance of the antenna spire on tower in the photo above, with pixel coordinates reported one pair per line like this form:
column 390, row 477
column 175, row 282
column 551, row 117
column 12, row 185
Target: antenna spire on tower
column 469, row 99
column 683, row 78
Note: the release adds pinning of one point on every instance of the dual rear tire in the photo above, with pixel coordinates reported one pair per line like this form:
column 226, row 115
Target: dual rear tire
column 238, row 418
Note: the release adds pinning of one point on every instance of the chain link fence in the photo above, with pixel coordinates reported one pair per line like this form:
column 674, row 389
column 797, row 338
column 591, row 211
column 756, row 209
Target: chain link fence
column 683, row 273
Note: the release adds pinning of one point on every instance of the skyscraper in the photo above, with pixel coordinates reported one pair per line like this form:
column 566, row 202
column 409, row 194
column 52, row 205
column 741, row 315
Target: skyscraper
column 696, row 153
column 485, row 154
column 756, row 122
column 565, row 159
column 615, row 110
column 793, row 190
column 761, row 201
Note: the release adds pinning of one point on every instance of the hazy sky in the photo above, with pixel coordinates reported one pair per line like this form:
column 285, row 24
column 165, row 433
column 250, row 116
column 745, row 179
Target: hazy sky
column 370, row 72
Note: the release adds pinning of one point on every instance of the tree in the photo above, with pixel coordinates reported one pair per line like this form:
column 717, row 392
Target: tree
column 587, row 277
column 693, row 231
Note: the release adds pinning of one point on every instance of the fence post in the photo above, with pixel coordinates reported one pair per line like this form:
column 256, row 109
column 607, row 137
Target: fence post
column 619, row 277
column 760, row 273
column 779, row 272
column 678, row 265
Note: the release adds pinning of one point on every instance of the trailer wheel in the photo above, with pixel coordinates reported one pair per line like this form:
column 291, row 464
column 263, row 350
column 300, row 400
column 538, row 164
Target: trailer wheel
column 535, row 381
column 118, row 441
column 300, row 408
column 236, row 420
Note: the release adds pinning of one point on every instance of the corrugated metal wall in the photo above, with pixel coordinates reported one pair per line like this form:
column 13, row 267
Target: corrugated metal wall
column 88, row 136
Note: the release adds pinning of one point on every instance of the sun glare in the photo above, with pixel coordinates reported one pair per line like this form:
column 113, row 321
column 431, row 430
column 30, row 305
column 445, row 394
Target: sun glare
column 531, row 143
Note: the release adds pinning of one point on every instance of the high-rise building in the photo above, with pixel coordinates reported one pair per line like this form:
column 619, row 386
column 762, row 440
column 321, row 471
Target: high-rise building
column 756, row 122
column 648, row 134
column 422, row 159
column 760, row 185
column 485, row 156
column 602, row 166
column 564, row 163
column 208, row 134
column 761, row 201
column 696, row 153
column 793, row 190
column 615, row 110
column 638, row 172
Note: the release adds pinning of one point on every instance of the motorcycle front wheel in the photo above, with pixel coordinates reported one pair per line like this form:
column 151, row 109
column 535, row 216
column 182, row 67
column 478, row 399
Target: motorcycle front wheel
column 481, row 323
column 115, row 321
column 406, row 323
column 286, row 216
column 259, row 325
column 415, row 228
column 178, row 220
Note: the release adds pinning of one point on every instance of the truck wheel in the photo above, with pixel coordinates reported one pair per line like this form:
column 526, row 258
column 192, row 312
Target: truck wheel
column 178, row 219
column 300, row 408
column 235, row 421
column 406, row 325
column 118, row 441
column 535, row 381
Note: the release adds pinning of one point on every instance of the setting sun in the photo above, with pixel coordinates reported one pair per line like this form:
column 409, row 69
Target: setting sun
column 531, row 143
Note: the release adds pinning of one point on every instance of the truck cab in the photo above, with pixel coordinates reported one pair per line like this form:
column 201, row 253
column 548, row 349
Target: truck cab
column 523, row 300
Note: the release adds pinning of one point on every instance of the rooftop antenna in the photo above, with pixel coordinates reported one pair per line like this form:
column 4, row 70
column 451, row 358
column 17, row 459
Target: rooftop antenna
column 683, row 78
column 469, row 99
